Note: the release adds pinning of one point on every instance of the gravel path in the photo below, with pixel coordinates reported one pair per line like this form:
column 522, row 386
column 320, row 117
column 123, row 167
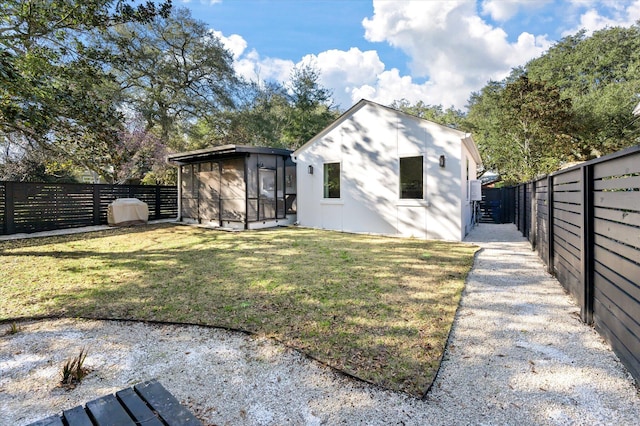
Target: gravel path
column 518, row 355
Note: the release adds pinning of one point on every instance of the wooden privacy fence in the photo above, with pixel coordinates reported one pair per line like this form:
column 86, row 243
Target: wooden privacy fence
column 32, row 207
column 584, row 222
column 497, row 205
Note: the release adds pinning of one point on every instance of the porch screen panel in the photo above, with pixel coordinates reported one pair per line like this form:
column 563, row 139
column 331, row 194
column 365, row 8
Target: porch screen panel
column 232, row 190
column 280, row 188
column 267, row 201
column 209, row 191
column 189, row 195
column 252, row 187
column 290, row 186
column 252, row 176
column 268, row 187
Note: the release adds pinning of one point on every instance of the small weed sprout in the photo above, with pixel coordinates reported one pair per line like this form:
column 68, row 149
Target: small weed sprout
column 13, row 329
column 73, row 371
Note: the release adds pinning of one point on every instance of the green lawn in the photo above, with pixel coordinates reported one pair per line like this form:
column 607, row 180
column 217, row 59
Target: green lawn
column 377, row 308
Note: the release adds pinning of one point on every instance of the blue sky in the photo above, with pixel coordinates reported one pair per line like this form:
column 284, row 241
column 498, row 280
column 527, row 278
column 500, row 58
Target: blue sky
column 436, row 51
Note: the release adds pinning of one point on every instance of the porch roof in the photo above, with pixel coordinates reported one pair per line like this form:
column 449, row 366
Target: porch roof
column 224, row 151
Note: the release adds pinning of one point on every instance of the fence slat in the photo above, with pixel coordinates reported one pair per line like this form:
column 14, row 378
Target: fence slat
column 620, row 216
column 623, row 200
column 617, row 167
column 619, row 232
column 628, row 182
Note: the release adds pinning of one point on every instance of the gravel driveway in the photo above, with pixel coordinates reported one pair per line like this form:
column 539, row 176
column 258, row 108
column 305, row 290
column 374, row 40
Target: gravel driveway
column 518, row 355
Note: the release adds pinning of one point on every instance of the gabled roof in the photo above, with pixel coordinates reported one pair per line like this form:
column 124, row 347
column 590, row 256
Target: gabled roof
column 465, row 137
column 224, row 151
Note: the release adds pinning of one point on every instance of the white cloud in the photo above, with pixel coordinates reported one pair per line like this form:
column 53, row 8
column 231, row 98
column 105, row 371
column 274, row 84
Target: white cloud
column 346, row 71
column 250, row 65
column 601, row 14
column 451, row 45
column 453, row 51
column 503, row 10
column 234, row 43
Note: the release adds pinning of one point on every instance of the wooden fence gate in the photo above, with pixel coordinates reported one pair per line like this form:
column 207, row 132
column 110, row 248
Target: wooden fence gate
column 497, row 205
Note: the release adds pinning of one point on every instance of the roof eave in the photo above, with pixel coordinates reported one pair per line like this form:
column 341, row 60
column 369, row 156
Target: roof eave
column 224, row 151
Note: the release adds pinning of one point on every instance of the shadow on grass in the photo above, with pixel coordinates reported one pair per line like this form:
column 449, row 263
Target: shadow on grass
column 376, row 308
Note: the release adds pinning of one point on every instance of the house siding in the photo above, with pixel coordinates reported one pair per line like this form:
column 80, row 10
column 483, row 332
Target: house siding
column 368, row 143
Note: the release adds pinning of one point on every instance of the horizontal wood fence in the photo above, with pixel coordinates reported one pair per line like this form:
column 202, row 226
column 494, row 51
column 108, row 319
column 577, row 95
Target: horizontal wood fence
column 497, row 205
column 584, row 222
column 27, row 207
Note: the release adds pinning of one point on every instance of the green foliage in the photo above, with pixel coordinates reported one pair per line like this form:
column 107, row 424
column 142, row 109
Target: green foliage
column 573, row 103
column 73, row 371
column 274, row 115
column 450, row 117
column 261, row 118
column 54, row 92
column 14, row 328
column 522, row 127
column 601, row 76
column 172, row 71
column 311, row 106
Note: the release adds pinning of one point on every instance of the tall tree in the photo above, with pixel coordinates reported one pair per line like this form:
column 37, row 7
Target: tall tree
column 523, row 128
column 312, row 106
column 172, row 70
column 283, row 115
column 54, row 93
column 450, row 117
column 261, row 117
column 601, row 76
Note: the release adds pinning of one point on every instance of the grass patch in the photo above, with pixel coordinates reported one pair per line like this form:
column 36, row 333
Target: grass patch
column 377, row 308
column 14, row 328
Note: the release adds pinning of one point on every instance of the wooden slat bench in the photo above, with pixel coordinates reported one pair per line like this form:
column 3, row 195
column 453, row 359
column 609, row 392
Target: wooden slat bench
column 148, row 404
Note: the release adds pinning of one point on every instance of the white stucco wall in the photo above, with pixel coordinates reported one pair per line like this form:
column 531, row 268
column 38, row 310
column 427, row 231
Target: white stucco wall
column 368, row 143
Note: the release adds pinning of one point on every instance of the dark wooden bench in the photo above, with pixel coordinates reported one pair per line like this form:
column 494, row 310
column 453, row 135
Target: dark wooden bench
column 148, row 404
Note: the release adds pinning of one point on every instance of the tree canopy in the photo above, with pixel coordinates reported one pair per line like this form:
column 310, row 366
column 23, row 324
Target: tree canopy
column 571, row 104
column 54, row 93
column 172, row 71
column 450, row 117
column 111, row 86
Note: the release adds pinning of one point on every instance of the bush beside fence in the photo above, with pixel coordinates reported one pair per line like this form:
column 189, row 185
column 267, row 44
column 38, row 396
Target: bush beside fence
column 584, row 222
column 27, row 207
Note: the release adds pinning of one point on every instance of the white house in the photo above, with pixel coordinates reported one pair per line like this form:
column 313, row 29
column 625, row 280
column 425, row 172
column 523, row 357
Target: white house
column 378, row 170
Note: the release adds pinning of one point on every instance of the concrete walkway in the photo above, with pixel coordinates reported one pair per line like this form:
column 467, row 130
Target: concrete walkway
column 518, row 352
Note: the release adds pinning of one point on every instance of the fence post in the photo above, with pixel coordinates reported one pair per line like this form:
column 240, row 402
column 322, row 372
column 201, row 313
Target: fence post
column 158, row 202
column 533, row 228
column 9, row 223
column 525, row 228
column 96, row 204
column 550, row 234
column 586, row 260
